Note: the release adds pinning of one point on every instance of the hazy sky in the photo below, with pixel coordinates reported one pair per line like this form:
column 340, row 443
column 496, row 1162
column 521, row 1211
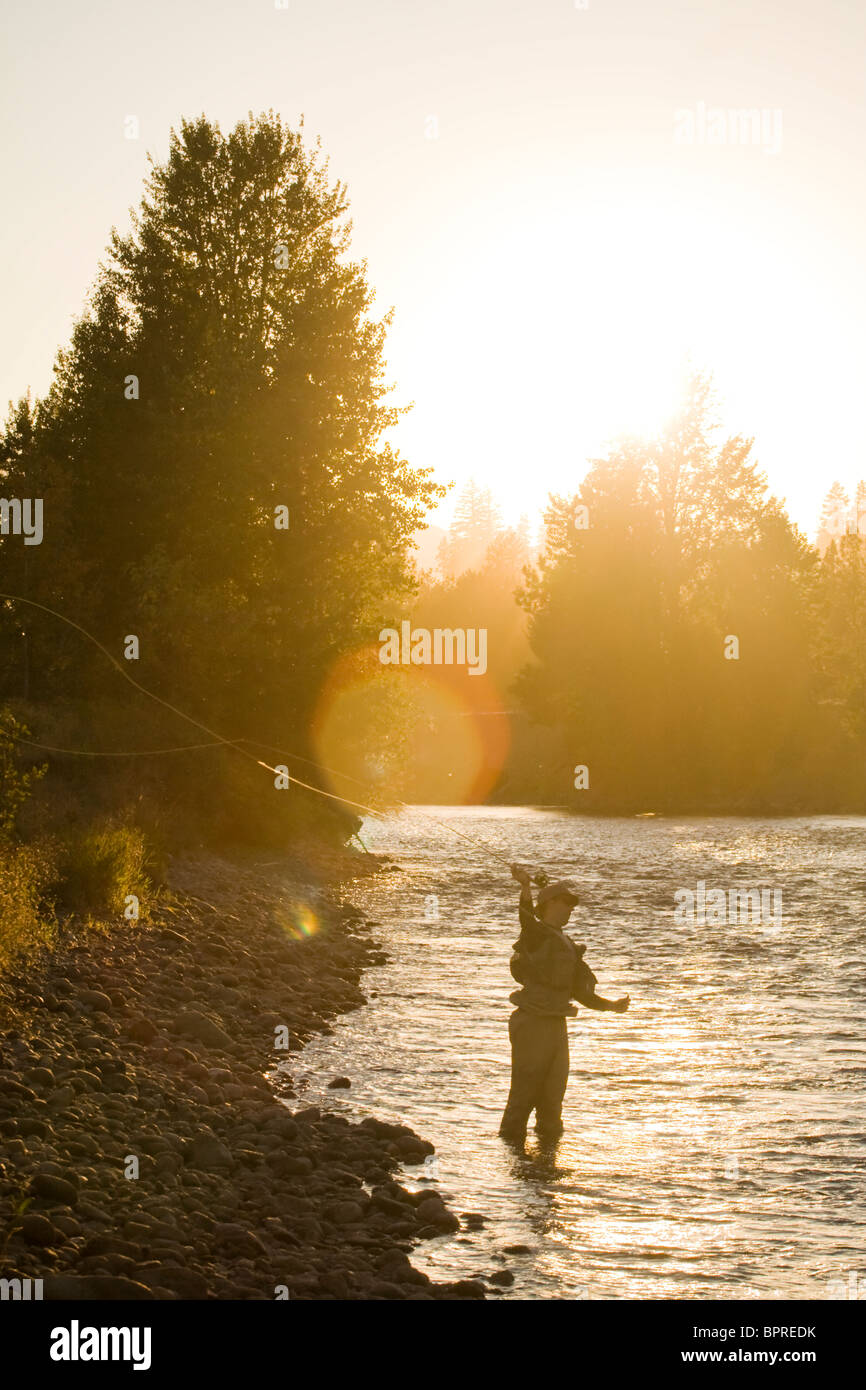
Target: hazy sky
column 541, row 191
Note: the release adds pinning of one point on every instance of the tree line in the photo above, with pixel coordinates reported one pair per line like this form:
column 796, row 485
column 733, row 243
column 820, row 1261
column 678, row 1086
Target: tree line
column 216, row 478
column 683, row 647
column 223, row 513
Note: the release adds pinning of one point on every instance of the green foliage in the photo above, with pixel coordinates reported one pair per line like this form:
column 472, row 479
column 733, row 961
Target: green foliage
column 16, row 784
column 260, row 365
column 18, row 1206
column 840, row 639
column 99, row 867
column 26, row 921
column 628, row 622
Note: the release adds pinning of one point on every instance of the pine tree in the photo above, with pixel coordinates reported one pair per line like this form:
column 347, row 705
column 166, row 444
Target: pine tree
column 475, row 525
column 835, row 515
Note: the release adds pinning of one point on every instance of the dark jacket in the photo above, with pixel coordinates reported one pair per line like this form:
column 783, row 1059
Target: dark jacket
column 551, row 969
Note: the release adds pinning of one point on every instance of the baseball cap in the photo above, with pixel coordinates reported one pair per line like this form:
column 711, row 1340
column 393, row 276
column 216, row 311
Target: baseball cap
column 564, row 888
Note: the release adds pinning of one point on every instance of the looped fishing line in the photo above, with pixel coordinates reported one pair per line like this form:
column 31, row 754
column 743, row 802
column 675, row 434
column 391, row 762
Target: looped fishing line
column 218, row 741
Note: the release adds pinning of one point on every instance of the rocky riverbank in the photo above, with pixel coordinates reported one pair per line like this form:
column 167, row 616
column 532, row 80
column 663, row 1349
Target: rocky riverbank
column 145, row 1151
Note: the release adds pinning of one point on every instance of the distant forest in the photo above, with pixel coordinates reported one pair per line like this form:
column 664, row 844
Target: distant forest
column 611, row 639
column 218, row 484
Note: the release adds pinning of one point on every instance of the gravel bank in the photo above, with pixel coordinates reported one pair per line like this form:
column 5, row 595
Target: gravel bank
column 145, row 1151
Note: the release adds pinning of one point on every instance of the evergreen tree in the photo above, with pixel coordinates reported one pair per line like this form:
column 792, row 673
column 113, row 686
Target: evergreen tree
column 228, row 364
column 475, row 525
column 835, row 515
column 629, row 617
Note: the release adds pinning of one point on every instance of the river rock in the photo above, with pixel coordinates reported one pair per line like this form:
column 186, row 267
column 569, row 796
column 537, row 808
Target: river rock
column 461, row 1288
column 61, row 1098
column 473, row 1220
column 31, row 1127
column 206, row 1151
column 38, row 1230
column 142, row 1030
column 345, row 1213
column 280, row 1122
column 192, row 1024
column 40, row 1076
column 242, row 1241
column 54, row 1189
column 432, row 1211
column 95, row 1000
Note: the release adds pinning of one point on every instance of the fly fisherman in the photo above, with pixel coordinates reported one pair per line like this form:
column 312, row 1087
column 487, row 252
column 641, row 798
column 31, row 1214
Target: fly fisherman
column 552, row 972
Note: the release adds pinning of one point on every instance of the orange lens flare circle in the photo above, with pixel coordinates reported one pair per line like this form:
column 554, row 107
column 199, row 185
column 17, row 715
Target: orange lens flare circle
column 428, row 734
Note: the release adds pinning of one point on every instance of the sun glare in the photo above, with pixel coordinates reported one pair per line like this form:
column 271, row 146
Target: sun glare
column 577, row 323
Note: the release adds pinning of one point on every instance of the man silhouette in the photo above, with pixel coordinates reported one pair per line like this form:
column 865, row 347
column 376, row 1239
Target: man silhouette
column 551, row 970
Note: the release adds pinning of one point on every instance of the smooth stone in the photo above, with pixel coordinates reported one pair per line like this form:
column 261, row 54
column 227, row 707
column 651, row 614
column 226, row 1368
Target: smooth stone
column 54, row 1189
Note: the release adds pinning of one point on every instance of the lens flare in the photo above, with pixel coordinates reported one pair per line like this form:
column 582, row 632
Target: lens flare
column 423, row 733
column 298, row 921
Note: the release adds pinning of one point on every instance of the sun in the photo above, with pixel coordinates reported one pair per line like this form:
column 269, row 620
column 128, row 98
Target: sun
column 561, row 330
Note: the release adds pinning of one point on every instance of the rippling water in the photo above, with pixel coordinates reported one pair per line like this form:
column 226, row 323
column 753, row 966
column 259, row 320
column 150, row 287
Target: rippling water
column 714, row 1143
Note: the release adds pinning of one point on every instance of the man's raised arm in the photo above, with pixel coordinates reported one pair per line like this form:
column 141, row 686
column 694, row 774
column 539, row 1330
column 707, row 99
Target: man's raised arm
column 525, row 907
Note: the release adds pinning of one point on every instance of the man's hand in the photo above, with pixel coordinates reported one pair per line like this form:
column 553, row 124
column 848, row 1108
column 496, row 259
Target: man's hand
column 521, row 874
column 619, row 1006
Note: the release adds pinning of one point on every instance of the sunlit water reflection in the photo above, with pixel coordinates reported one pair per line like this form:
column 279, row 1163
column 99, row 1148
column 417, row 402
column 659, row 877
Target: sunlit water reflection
column 714, row 1143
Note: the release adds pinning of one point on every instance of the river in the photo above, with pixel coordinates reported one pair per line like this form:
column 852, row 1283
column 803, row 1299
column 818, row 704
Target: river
column 714, row 1144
